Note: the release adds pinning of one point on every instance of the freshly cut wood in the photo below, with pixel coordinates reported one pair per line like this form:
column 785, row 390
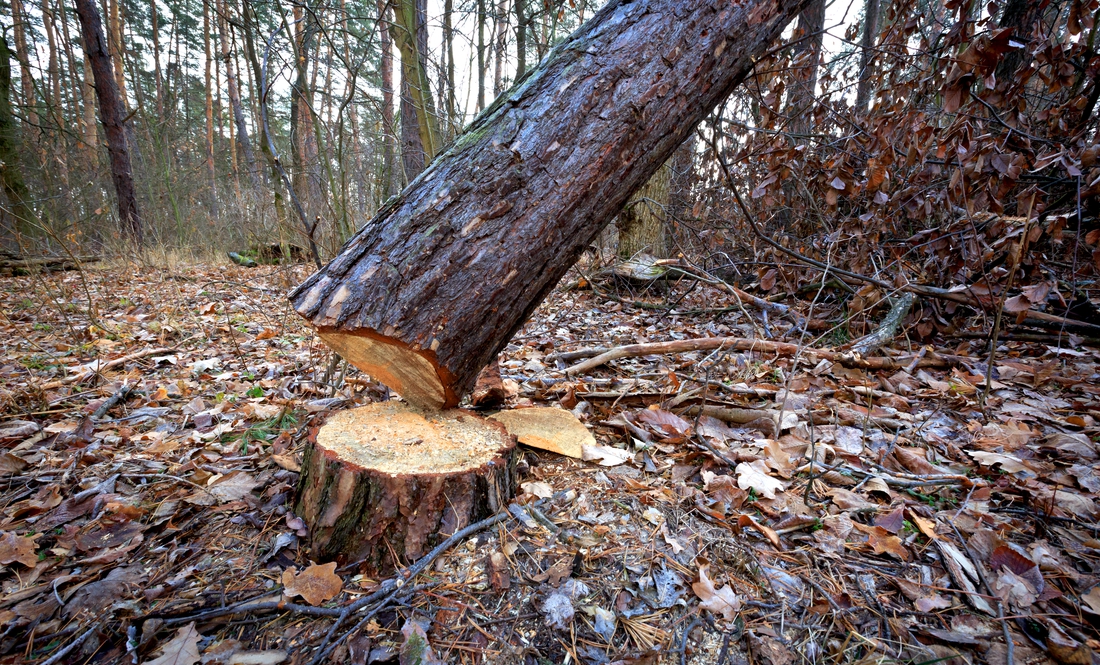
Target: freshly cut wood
column 384, row 483
column 549, row 428
column 438, row 282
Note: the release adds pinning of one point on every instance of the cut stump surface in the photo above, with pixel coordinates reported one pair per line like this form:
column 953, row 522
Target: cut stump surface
column 383, row 484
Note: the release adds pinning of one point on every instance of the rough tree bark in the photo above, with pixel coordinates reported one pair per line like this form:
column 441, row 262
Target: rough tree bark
column 384, row 483
column 642, row 222
column 867, row 54
column 419, row 125
column 806, row 54
column 432, row 288
column 389, row 141
column 110, row 114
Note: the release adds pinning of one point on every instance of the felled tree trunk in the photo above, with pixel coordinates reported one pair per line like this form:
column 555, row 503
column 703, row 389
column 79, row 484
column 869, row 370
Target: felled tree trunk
column 432, row 288
column 383, row 484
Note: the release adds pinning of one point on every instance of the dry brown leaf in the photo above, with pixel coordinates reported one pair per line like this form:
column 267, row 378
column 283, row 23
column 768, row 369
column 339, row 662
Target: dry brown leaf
column 755, row 476
column 183, row 649
column 722, row 601
column 17, row 549
column 1092, row 599
column 882, row 542
column 317, row 584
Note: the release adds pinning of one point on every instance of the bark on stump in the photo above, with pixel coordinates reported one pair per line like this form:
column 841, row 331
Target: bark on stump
column 383, row 484
column 439, row 281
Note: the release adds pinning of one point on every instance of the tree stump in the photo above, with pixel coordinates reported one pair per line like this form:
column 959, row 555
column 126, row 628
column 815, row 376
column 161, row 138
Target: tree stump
column 383, row 484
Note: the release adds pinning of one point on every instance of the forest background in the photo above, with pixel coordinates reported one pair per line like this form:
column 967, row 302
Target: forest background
column 897, row 125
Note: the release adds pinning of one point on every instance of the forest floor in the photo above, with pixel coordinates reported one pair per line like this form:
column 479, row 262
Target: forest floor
column 152, row 418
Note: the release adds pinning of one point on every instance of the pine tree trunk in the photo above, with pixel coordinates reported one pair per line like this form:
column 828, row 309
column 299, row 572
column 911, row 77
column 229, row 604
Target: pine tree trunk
column 866, row 55
column 419, row 126
column 22, row 53
column 111, row 111
column 155, row 27
column 641, row 224
column 521, row 37
column 501, row 20
column 389, row 143
column 806, row 54
column 209, row 108
column 425, row 294
column 480, row 55
column 233, row 91
column 90, row 132
column 265, row 140
column 11, row 175
column 383, row 484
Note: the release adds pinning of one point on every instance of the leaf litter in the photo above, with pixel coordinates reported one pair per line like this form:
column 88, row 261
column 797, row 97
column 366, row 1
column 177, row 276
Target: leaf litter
column 809, row 511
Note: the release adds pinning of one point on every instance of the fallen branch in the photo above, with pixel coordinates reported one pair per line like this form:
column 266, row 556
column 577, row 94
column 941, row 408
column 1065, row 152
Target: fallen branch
column 111, row 364
column 887, row 329
column 120, row 395
column 762, row 346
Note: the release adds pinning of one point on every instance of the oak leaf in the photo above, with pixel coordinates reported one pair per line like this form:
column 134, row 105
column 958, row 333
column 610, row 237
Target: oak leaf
column 316, row 584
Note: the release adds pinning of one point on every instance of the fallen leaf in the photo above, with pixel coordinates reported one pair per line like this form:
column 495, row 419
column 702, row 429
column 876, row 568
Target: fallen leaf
column 719, row 601
column 183, row 649
column 882, row 542
column 17, row 549
column 538, row 488
column 233, row 486
column 1008, row 463
column 1092, row 599
column 605, row 455
column 316, row 584
column 755, row 476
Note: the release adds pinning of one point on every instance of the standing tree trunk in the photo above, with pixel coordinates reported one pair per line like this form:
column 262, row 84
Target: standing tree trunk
column 389, row 143
column 110, row 114
column 642, row 222
column 419, row 127
column 866, row 55
column 265, row 140
column 233, row 91
column 22, row 53
column 501, row 20
column 521, row 38
column 480, row 55
column 1021, row 17
column 90, row 132
column 11, row 176
column 804, row 63
column 448, row 101
column 154, row 22
column 209, row 109
column 425, row 294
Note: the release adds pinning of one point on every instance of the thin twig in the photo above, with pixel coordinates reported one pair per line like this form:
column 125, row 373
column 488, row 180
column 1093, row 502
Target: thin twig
column 56, row 658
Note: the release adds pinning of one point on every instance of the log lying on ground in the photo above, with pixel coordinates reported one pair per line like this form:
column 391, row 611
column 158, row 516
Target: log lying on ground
column 22, row 265
column 761, row 346
column 435, row 285
column 382, row 484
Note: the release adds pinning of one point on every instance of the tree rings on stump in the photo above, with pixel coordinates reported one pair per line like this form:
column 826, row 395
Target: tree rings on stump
column 383, row 484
